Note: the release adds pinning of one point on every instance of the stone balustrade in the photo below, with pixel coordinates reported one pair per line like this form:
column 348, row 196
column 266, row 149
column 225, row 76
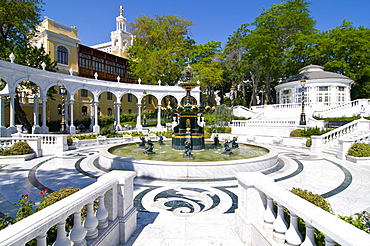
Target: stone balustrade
column 257, row 223
column 354, row 106
column 112, row 224
column 34, row 143
column 345, row 144
column 270, row 123
column 319, row 143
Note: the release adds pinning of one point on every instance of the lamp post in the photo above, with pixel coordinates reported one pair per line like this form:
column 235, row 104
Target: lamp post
column 302, row 122
column 63, row 92
column 144, row 108
column 232, row 91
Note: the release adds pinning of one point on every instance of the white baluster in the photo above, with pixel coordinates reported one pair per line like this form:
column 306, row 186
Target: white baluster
column 91, row 222
column 292, row 235
column 41, row 240
column 62, row 239
column 310, row 236
column 102, row 214
column 269, row 216
column 329, row 241
column 280, row 225
column 78, row 232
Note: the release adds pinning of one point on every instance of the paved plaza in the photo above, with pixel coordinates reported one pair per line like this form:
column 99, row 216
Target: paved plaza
column 188, row 212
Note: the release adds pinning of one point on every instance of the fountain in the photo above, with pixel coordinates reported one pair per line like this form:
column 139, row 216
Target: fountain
column 188, row 141
column 188, row 128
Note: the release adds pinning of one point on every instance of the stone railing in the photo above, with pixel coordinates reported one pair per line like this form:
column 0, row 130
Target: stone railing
column 345, row 144
column 50, row 143
column 355, row 106
column 258, row 224
column 319, row 143
column 269, row 123
column 34, row 143
column 112, row 224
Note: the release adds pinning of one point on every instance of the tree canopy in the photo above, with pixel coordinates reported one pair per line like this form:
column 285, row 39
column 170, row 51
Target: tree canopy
column 160, row 48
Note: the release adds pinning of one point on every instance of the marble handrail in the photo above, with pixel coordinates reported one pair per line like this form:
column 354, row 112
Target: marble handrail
column 257, row 193
column 114, row 192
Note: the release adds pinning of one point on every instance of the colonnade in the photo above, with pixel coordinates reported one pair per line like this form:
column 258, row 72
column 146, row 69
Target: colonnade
column 13, row 74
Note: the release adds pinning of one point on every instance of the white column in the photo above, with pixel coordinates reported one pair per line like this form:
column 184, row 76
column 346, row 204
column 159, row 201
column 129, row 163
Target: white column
column 96, row 128
column 117, row 113
column 159, row 126
column 138, row 118
column 45, row 129
column 72, row 127
column 2, row 119
column 36, row 123
column 12, row 113
column 12, row 128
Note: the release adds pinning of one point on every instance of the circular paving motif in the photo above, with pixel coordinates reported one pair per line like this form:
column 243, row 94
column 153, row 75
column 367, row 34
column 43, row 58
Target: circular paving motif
column 186, row 201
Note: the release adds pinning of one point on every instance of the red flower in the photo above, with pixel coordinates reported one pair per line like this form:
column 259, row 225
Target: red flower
column 26, row 195
column 41, row 192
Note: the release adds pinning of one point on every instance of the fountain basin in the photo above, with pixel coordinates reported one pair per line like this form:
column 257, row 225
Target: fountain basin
column 187, row 170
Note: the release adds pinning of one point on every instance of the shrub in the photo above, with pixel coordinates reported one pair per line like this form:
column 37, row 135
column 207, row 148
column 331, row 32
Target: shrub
column 5, row 152
column 69, row 141
column 313, row 198
column 359, row 150
column 21, row 148
column 296, row 133
column 309, row 142
column 360, row 220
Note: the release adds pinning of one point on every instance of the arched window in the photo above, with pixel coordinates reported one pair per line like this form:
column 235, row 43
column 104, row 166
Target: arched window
column 84, row 110
column 110, row 112
column 62, row 55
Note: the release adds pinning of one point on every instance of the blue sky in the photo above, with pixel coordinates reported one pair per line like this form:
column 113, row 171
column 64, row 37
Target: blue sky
column 213, row 19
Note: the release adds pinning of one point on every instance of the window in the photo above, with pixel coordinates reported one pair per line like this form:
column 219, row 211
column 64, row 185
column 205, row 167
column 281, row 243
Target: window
column 84, row 93
column 150, row 99
column 323, row 88
column 85, row 61
column 98, row 64
column 109, row 96
column 110, row 112
column 341, row 88
column 62, row 55
column 98, row 111
column 130, row 111
column 129, row 97
column 84, row 110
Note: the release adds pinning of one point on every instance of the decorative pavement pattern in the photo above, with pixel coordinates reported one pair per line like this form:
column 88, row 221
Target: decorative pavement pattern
column 173, row 212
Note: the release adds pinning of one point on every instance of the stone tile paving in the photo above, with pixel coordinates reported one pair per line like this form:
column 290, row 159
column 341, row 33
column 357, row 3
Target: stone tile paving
column 190, row 213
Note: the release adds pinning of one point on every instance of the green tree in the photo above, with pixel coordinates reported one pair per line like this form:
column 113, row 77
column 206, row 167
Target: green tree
column 345, row 50
column 206, row 61
column 264, row 45
column 18, row 20
column 160, row 47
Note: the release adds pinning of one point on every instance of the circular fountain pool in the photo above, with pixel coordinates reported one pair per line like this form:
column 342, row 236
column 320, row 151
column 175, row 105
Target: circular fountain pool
column 169, row 164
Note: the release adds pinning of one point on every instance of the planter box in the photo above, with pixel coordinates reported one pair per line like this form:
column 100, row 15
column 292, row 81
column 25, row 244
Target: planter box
column 16, row 158
column 359, row 160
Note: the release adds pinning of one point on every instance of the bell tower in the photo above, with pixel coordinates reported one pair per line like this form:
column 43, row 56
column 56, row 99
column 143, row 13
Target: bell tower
column 120, row 38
